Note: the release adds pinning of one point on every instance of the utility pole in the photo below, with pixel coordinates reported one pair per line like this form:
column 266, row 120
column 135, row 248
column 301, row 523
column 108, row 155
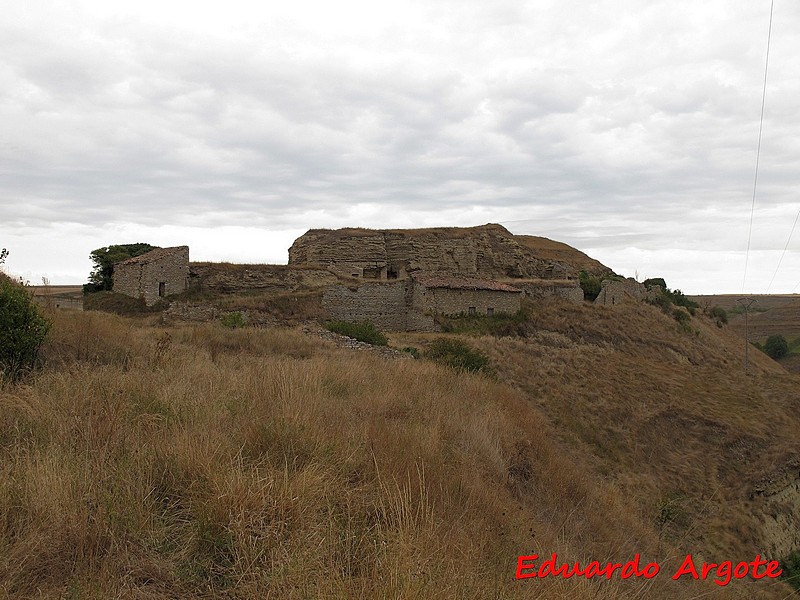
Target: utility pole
column 746, row 303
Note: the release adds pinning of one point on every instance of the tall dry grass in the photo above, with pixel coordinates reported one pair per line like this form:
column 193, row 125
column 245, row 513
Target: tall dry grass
column 146, row 461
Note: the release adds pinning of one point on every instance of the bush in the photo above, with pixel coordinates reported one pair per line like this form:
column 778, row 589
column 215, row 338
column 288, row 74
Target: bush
column 719, row 314
column 791, row 570
column 414, row 352
column 590, row 285
column 363, row 332
column 776, row 347
column 681, row 316
column 232, row 319
column 659, row 281
column 22, row 329
column 457, row 354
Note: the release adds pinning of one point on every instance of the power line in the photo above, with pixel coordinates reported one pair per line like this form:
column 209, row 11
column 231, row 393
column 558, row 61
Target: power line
column 758, row 151
column 784, row 252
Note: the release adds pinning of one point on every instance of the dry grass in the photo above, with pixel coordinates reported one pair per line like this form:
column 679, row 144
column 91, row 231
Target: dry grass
column 197, row 462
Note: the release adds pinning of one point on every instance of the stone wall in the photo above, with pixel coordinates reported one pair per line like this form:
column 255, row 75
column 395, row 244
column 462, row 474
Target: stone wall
column 61, row 302
column 159, row 273
column 448, row 301
column 382, row 304
column 224, row 277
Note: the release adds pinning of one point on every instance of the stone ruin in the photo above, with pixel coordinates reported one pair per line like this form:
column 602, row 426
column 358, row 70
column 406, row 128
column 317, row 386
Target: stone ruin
column 397, row 279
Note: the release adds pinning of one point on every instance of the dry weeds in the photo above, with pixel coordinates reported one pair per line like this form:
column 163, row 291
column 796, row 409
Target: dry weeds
column 147, row 461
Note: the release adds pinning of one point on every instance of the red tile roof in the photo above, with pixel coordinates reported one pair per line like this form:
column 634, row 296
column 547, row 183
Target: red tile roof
column 462, row 283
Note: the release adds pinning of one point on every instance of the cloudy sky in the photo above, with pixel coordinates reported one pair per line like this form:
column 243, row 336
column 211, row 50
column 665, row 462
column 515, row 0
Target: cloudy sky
column 628, row 129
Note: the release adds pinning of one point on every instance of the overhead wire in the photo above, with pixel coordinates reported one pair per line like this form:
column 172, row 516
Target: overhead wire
column 758, row 150
column 784, row 253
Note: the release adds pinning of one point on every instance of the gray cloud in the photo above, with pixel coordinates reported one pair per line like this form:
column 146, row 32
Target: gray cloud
column 604, row 123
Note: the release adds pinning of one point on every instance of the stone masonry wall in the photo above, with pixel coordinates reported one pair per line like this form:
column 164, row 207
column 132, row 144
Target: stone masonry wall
column 448, row 301
column 143, row 276
column 382, row 304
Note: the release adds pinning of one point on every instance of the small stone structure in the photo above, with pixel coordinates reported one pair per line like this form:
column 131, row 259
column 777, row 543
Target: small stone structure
column 446, row 295
column 154, row 275
column 617, row 292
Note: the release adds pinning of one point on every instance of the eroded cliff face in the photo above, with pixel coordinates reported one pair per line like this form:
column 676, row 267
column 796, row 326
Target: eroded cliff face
column 488, row 251
column 778, row 498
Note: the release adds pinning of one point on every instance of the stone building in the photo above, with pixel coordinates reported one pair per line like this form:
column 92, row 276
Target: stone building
column 159, row 273
column 448, row 295
column 410, row 305
column 617, row 292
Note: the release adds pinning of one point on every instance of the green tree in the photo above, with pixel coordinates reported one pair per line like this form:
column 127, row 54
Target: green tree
column 22, row 328
column 776, row 347
column 102, row 275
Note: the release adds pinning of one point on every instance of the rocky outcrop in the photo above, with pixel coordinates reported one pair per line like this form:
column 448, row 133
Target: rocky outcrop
column 488, row 251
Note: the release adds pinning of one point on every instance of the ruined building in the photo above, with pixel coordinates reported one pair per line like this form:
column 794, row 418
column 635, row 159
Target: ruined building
column 153, row 275
column 398, row 279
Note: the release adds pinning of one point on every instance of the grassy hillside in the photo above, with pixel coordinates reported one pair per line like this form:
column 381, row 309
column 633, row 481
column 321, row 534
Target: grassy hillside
column 547, row 249
column 152, row 461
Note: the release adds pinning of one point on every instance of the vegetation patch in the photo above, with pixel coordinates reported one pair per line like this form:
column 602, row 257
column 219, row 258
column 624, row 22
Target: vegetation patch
column 776, row 347
column 590, row 284
column 671, row 301
column 791, row 570
column 233, row 320
column 457, row 354
column 22, row 329
column 363, row 331
column 719, row 314
column 499, row 325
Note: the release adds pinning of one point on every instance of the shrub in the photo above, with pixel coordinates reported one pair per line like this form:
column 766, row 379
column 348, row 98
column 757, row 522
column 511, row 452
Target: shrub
column 414, row 352
column 718, row 313
column 457, row 354
column 659, row 281
column 363, row 332
column 681, row 316
column 22, row 329
column 677, row 297
column 232, row 320
column 776, row 347
column 791, row 570
column 590, row 285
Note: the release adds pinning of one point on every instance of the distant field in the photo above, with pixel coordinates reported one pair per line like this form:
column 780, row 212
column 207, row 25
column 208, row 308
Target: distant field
column 57, row 290
column 770, row 315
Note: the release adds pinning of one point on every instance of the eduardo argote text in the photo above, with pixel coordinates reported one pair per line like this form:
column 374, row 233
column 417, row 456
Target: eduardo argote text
column 529, row 567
